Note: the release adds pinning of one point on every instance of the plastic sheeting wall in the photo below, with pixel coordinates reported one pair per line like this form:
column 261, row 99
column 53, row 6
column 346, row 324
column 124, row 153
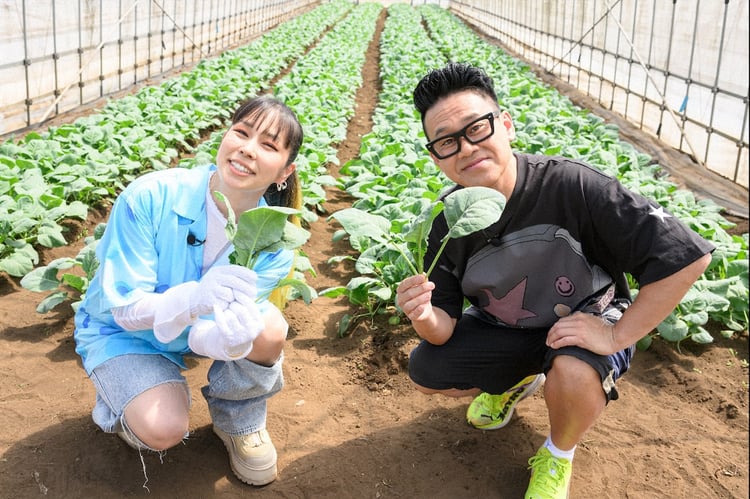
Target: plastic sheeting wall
column 677, row 69
column 56, row 55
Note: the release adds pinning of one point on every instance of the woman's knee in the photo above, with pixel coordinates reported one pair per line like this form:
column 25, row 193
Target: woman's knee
column 159, row 417
column 268, row 346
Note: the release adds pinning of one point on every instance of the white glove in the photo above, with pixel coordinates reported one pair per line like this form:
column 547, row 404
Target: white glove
column 220, row 286
column 180, row 305
column 231, row 334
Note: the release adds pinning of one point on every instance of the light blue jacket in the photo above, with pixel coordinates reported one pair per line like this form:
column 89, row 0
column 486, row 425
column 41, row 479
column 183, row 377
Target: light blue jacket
column 144, row 250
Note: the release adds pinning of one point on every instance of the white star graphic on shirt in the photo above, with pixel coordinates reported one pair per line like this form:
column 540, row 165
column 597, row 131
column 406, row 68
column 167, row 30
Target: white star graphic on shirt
column 659, row 213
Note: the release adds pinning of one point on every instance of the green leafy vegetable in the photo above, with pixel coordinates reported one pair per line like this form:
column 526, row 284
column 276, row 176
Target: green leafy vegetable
column 469, row 210
column 65, row 285
column 265, row 229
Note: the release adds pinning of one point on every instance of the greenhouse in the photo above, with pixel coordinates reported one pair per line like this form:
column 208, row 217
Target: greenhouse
column 280, row 221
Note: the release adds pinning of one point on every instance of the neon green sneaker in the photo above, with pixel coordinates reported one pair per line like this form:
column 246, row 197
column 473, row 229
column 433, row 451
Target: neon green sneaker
column 490, row 412
column 550, row 476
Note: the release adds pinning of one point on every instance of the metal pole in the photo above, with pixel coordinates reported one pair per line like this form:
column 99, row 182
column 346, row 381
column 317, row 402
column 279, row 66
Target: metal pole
column 119, row 48
column 184, row 38
column 715, row 89
column 80, row 58
column 688, row 83
column 617, row 60
column 26, row 64
column 174, row 34
column 650, row 52
column 149, row 33
column 55, row 55
column 591, row 51
column 666, row 68
column 135, row 46
column 630, row 59
column 739, row 143
column 604, row 54
column 572, row 30
column 101, row 44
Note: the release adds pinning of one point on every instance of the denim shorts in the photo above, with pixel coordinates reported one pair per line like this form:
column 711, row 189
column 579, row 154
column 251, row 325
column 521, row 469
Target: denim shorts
column 236, row 392
column 493, row 359
column 120, row 379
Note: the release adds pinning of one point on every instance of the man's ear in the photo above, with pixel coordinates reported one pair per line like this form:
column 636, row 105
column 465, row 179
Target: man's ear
column 507, row 122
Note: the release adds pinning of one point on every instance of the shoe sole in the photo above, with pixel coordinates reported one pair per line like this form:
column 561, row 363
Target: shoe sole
column 518, row 396
column 261, row 476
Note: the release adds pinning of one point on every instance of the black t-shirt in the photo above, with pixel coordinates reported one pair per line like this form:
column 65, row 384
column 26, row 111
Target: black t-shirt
column 566, row 237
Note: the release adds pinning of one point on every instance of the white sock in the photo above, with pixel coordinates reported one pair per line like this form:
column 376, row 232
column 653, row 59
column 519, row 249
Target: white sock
column 564, row 454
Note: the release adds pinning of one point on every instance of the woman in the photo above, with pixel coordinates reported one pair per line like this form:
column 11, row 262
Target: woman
column 165, row 289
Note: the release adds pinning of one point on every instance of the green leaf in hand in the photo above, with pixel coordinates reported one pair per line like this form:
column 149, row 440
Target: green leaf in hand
column 472, row 209
column 231, row 227
column 419, row 229
column 469, row 210
column 292, row 237
column 265, row 229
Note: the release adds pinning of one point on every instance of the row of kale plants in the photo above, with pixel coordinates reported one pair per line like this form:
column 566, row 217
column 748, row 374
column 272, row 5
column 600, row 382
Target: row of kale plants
column 46, row 178
column 393, row 178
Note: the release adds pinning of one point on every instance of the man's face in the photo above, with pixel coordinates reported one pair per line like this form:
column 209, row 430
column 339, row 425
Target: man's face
column 489, row 163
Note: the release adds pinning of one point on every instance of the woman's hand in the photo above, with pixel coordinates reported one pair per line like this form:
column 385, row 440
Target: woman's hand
column 220, row 286
column 230, row 335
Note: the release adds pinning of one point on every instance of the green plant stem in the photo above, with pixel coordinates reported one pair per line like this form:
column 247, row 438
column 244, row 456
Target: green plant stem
column 440, row 250
column 250, row 263
column 408, row 262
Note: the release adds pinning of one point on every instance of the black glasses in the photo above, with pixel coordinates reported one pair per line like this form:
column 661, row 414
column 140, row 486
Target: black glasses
column 475, row 132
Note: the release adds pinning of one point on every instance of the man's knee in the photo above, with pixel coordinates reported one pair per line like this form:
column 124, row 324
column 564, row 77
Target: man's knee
column 567, row 370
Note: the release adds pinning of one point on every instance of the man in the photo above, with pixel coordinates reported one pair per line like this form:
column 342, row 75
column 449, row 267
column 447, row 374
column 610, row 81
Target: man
column 546, row 282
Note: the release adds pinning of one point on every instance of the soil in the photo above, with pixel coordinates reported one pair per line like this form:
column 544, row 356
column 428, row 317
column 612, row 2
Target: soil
column 349, row 424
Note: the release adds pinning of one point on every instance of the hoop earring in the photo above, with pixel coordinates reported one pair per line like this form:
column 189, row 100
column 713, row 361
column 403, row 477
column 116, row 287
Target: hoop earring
column 281, row 186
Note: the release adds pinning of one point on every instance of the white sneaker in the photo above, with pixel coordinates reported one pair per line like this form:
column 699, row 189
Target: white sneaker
column 252, row 457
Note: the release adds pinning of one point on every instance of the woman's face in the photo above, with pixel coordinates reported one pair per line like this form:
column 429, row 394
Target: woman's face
column 252, row 156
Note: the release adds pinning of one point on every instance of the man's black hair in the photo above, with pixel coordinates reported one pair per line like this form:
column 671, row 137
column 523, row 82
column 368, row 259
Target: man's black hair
column 453, row 77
